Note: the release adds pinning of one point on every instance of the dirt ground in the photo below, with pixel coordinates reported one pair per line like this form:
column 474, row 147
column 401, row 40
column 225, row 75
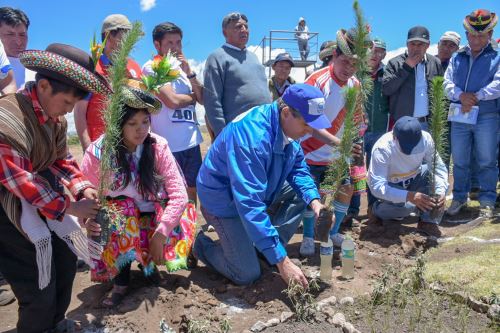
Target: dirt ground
column 207, row 302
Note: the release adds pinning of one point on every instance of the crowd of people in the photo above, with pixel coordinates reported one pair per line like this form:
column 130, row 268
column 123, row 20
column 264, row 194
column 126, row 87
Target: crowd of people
column 272, row 142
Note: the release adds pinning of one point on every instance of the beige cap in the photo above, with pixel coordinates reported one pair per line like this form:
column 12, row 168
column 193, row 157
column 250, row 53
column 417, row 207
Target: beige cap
column 115, row 22
column 451, row 36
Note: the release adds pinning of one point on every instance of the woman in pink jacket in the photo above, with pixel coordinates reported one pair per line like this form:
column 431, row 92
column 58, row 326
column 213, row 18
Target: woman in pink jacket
column 147, row 198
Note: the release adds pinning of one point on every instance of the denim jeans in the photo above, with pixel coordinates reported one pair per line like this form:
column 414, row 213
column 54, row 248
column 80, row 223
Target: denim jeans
column 370, row 139
column 387, row 210
column 480, row 139
column 303, row 48
column 235, row 256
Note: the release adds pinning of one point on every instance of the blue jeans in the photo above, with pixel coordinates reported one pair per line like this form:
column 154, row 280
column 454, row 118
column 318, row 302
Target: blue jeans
column 370, row 139
column 235, row 256
column 482, row 140
column 387, row 210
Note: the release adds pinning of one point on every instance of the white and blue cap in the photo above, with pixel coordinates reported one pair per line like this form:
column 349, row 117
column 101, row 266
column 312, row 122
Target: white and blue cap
column 309, row 101
column 408, row 132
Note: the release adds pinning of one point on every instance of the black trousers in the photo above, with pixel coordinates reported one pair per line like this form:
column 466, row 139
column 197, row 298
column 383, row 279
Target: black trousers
column 39, row 310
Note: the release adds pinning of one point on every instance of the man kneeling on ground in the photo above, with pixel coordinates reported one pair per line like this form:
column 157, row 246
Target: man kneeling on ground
column 399, row 177
column 254, row 186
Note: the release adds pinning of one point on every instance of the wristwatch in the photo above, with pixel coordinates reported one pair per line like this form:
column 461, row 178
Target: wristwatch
column 192, row 75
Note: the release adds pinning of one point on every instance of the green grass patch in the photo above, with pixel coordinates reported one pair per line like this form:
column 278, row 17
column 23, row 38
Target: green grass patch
column 465, row 265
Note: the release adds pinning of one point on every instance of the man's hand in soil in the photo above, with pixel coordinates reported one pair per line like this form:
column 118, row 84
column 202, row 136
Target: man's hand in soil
column 316, row 206
column 468, row 100
column 85, row 208
column 156, row 247
column 356, row 150
column 289, row 271
column 422, row 201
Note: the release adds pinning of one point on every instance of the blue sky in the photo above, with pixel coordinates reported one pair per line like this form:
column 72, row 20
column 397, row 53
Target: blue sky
column 74, row 22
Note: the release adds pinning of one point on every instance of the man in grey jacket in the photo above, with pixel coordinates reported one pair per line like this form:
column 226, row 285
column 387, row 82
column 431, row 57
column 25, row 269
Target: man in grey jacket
column 234, row 78
column 406, row 78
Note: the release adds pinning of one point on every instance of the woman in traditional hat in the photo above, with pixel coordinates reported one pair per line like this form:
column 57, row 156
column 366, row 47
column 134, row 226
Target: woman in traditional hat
column 147, row 198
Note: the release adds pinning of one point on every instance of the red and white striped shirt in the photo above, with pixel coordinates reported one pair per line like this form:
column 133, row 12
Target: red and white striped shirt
column 317, row 152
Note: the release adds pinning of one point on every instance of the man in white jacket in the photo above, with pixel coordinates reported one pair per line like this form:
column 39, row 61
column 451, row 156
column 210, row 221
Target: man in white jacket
column 399, row 178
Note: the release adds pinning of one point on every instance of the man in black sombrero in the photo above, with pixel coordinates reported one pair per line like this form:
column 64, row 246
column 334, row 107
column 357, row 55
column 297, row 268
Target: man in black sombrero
column 37, row 251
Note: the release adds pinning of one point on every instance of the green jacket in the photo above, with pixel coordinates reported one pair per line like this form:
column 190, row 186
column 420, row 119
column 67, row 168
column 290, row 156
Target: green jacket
column 377, row 106
column 272, row 88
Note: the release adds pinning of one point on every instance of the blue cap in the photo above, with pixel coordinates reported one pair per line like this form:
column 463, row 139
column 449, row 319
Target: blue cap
column 310, row 102
column 284, row 57
column 408, row 132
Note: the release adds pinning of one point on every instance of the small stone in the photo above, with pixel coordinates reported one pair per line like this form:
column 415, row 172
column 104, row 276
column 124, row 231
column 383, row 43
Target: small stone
column 285, row 316
column 406, row 282
column 188, row 304
column 338, row 319
column 212, row 302
column 477, row 306
column 349, row 328
column 258, row 327
column 272, row 322
column 328, row 310
column 459, row 297
column 347, row 301
column 210, row 228
column 259, row 304
column 437, row 288
column 332, row 300
column 494, row 312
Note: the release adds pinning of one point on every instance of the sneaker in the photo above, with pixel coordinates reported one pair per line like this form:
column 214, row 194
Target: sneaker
column 455, row 207
column 430, row 229
column 307, row 247
column 337, row 239
column 486, row 211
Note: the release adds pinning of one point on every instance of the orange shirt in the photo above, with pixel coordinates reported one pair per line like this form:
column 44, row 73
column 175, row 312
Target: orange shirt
column 95, row 121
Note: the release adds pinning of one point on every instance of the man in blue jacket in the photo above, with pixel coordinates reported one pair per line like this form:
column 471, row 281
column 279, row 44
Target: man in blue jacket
column 472, row 83
column 254, row 186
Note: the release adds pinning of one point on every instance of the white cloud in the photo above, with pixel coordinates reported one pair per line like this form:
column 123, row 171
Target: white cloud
column 147, row 5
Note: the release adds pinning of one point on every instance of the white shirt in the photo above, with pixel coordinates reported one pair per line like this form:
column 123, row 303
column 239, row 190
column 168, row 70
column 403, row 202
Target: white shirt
column 179, row 127
column 421, row 108
column 21, row 73
column 4, row 63
column 390, row 165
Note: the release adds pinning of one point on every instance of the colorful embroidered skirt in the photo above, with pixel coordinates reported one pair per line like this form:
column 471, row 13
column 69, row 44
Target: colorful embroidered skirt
column 358, row 179
column 130, row 234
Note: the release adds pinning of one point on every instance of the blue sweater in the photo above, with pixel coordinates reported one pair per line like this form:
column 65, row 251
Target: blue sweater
column 234, row 83
column 245, row 170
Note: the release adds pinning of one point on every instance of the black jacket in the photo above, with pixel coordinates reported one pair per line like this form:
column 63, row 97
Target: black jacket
column 399, row 83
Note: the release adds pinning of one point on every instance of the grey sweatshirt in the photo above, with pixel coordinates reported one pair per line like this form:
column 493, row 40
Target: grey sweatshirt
column 234, row 83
